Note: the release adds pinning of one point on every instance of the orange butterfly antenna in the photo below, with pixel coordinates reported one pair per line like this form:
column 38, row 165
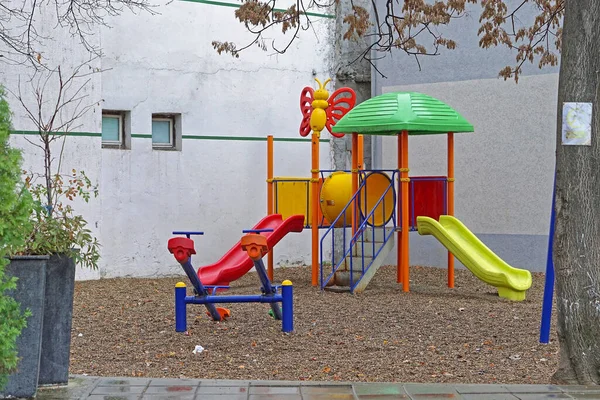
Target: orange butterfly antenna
column 322, row 85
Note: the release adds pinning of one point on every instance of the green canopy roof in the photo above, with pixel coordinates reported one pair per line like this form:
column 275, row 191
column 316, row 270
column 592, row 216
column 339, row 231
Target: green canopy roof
column 390, row 113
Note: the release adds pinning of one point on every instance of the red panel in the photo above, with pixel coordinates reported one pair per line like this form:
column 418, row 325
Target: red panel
column 429, row 197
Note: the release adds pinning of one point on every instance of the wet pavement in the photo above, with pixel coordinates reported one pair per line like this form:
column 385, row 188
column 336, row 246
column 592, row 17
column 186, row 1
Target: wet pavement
column 102, row 388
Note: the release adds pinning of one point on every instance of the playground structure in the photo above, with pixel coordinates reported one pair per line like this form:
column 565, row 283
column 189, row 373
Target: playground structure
column 255, row 246
column 374, row 204
column 362, row 211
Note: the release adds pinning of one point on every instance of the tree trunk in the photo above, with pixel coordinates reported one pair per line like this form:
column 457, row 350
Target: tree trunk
column 577, row 236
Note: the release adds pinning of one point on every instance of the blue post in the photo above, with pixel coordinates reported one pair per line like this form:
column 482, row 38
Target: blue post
column 287, row 304
column 180, row 308
column 549, row 283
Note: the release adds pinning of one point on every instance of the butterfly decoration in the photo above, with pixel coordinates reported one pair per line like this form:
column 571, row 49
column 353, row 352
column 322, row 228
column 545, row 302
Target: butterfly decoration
column 340, row 102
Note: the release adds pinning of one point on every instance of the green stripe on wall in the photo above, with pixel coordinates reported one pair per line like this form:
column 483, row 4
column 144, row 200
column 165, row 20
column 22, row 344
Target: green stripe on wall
column 88, row 134
column 224, row 4
column 191, row 137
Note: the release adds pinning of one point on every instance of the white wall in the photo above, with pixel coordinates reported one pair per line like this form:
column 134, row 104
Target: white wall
column 165, row 63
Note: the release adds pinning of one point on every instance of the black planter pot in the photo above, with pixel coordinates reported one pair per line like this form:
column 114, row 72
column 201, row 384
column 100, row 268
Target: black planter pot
column 58, row 315
column 31, row 274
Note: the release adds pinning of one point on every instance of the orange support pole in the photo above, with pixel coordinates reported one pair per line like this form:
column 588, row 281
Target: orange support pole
column 355, row 157
column 400, row 233
column 450, row 202
column 404, row 179
column 315, row 207
column 270, row 199
column 361, row 152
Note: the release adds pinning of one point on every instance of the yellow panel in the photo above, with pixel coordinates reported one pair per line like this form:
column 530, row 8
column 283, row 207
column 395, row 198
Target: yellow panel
column 292, row 197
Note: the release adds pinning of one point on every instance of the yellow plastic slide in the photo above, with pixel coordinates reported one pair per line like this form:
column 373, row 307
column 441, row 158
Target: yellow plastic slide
column 512, row 283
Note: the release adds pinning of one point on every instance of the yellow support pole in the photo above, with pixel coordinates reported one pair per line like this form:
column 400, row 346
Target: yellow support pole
column 270, row 207
column 450, row 202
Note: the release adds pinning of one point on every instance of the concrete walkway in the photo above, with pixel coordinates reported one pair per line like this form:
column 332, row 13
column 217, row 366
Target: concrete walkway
column 84, row 387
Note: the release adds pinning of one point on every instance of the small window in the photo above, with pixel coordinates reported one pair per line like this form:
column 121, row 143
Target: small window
column 112, row 129
column 115, row 129
column 166, row 131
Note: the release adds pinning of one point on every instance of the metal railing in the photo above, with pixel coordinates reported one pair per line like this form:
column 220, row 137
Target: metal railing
column 360, row 238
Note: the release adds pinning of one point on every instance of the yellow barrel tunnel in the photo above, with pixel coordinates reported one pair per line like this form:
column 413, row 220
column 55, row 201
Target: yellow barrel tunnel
column 336, row 192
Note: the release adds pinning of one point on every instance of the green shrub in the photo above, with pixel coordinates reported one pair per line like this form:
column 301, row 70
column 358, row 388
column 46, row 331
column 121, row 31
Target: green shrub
column 15, row 212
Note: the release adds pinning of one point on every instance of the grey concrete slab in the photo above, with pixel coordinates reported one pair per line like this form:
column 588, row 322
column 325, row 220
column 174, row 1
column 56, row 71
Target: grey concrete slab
column 330, row 396
column 382, row 388
column 488, row 396
column 533, row 388
column 275, row 396
column 112, row 397
column 541, row 396
column 118, row 390
column 479, row 388
column 181, row 390
column 229, row 382
column 344, row 389
column 75, row 389
column 414, row 389
column 584, row 395
column 274, row 390
column 383, row 397
column 221, row 397
column 580, row 388
column 123, row 381
column 167, row 397
column 229, row 390
column 174, row 381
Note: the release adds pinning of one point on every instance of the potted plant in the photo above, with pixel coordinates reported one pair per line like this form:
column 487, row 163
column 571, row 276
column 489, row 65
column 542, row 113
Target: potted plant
column 22, row 279
column 57, row 230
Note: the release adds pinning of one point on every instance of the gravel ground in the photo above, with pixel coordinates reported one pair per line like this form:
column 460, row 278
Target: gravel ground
column 125, row 327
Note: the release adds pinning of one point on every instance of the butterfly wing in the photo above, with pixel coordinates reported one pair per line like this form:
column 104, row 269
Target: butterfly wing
column 340, row 102
column 306, row 99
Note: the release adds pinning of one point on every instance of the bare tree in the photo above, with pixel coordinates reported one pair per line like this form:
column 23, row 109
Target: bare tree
column 23, row 39
column 58, row 103
column 411, row 26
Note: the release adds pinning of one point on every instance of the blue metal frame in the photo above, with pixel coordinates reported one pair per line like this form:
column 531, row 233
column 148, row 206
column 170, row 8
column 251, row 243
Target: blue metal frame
column 359, row 232
column 209, row 299
column 549, row 282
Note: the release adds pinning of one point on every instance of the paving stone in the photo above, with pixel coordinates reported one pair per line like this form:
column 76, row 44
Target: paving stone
column 332, row 396
column 345, row 389
column 585, row 395
column 580, row 388
column 274, row 383
column 174, row 382
column 383, row 397
column 118, row 390
column 112, row 397
column 542, row 396
column 181, row 390
column 488, row 396
column 434, row 389
column 167, row 397
column 123, row 381
column 221, row 397
column 373, row 389
column 274, row 396
column 533, row 388
column 274, row 390
column 228, row 382
column 222, row 390
column 480, row 388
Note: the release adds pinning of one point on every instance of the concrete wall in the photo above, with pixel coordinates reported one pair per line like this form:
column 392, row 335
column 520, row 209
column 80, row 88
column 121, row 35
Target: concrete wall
column 216, row 183
column 504, row 171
